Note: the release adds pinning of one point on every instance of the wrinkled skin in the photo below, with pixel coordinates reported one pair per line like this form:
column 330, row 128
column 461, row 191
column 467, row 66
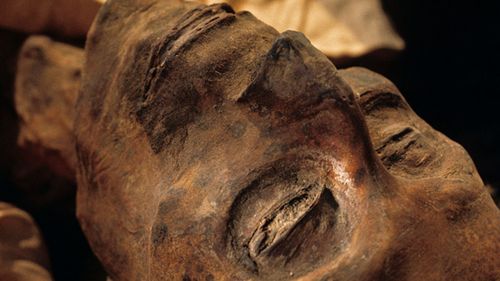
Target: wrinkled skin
column 211, row 147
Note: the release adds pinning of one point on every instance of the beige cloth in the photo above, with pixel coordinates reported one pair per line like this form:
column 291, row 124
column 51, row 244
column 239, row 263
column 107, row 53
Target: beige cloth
column 339, row 28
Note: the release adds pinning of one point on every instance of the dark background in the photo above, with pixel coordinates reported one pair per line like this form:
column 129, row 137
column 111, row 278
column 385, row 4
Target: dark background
column 449, row 73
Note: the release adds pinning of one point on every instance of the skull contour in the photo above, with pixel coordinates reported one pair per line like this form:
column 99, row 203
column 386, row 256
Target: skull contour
column 211, row 147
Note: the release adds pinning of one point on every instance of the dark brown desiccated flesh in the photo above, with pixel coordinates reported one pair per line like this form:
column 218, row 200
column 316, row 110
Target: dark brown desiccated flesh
column 218, row 148
column 211, row 147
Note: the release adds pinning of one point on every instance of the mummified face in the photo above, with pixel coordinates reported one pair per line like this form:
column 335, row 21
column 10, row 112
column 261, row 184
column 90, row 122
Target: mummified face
column 211, row 147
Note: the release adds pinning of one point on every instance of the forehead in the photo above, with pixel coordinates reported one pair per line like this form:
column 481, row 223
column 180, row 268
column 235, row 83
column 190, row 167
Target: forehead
column 173, row 66
column 179, row 64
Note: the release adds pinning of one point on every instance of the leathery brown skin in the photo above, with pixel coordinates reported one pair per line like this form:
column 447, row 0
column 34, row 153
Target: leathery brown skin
column 210, row 147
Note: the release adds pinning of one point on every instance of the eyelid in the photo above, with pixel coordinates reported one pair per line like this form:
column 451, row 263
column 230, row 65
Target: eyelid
column 373, row 100
column 281, row 220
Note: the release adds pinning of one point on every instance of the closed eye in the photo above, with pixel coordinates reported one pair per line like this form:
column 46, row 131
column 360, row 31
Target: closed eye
column 404, row 133
column 281, row 218
column 278, row 223
column 373, row 101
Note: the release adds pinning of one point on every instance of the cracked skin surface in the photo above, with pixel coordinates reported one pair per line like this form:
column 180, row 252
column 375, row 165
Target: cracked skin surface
column 211, row 147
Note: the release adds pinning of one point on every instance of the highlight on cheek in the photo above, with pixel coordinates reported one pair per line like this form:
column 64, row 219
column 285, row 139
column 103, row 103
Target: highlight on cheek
column 340, row 173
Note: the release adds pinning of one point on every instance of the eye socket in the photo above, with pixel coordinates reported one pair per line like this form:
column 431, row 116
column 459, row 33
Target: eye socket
column 405, row 147
column 282, row 220
column 279, row 222
column 373, row 101
column 406, row 151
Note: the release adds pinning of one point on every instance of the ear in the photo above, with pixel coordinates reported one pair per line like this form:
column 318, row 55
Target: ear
column 47, row 83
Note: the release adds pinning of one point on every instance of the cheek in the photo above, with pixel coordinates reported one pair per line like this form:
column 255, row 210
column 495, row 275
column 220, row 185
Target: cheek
column 184, row 235
column 189, row 227
column 198, row 218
